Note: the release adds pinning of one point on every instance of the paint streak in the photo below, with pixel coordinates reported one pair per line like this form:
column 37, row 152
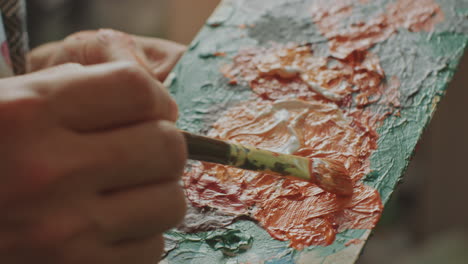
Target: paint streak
column 294, row 72
column 353, row 242
column 415, row 15
column 287, row 208
column 329, row 16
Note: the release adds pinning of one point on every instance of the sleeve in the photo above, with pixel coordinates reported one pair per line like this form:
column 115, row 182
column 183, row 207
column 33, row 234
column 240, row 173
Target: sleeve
column 14, row 20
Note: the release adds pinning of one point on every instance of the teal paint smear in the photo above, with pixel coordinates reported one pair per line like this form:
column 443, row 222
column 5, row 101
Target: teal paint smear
column 263, row 247
column 424, row 63
column 462, row 11
column 399, row 135
column 231, row 242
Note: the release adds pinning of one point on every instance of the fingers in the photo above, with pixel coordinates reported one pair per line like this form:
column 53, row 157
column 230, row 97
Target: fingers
column 160, row 55
column 86, row 250
column 95, row 47
column 157, row 56
column 45, row 56
column 139, row 213
column 145, row 251
column 106, row 96
column 153, row 152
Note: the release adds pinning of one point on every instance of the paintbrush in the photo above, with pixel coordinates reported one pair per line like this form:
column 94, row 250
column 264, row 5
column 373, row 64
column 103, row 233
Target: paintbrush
column 329, row 175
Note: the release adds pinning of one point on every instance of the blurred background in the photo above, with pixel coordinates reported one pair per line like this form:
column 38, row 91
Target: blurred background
column 426, row 220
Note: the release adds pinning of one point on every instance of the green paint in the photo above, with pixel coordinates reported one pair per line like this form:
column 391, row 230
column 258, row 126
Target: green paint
column 248, row 233
column 423, row 62
column 230, row 242
column 221, row 16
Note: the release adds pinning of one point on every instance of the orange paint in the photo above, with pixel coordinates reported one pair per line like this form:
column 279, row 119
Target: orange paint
column 303, row 105
column 220, row 54
column 414, row 15
column 353, row 242
column 295, row 72
column 291, row 209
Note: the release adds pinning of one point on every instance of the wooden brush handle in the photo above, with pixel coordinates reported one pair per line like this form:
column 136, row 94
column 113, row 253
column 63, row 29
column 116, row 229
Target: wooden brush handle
column 328, row 175
column 207, row 149
column 245, row 157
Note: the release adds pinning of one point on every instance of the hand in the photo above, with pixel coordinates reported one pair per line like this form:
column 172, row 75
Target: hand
column 157, row 56
column 90, row 164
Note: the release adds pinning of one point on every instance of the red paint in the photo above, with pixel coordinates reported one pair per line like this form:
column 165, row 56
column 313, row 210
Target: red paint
column 292, row 209
column 220, row 54
column 392, row 92
column 269, row 86
column 353, row 242
column 414, row 15
column 263, row 69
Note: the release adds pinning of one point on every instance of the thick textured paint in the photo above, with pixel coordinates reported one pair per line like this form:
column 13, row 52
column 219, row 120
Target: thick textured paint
column 230, row 242
column 294, row 72
column 414, row 15
column 421, row 62
column 351, row 76
column 291, row 209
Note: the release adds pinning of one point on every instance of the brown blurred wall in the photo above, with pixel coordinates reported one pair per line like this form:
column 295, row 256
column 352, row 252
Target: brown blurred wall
column 443, row 160
column 186, row 17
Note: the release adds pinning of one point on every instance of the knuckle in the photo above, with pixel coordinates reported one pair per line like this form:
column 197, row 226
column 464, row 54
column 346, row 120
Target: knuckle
column 180, row 205
column 179, row 50
column 174, row 145
column 134, row 73
column 107, row 34
column 148, row 96
column 79, row 37
column 137, row 80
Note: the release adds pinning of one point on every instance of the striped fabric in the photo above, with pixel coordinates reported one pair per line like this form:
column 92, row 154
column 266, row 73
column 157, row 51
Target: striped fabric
column 14, row 14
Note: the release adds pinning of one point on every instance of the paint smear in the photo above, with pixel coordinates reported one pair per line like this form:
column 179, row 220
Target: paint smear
column 329, row 16
column 289, row 209
column 293, row 71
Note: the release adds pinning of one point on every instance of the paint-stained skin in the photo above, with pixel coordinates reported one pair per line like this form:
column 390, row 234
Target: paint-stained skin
column 320, row 91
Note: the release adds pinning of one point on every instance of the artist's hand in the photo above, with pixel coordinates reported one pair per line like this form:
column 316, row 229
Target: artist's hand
column 157, row 56
column 89, row 167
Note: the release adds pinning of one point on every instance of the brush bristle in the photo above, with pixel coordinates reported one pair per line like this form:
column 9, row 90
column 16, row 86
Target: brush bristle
column 331, row 176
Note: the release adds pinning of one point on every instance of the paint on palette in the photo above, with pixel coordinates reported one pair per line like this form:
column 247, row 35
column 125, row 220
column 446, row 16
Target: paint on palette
column 344, row 39
column 349, row 78
column 291, row 210
column 293, row 71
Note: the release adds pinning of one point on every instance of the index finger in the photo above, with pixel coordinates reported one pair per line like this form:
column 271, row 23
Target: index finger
column 105, row 96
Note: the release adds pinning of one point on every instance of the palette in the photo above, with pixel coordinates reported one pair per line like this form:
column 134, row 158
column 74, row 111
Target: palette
column 353, row 81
